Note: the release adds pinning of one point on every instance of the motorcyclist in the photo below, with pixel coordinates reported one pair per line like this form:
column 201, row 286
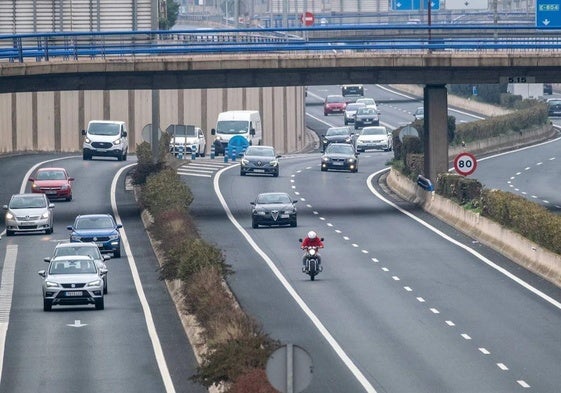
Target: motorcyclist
column 311, row 240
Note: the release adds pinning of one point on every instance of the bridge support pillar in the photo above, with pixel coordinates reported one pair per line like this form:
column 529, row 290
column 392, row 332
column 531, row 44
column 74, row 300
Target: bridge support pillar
column 436, row 131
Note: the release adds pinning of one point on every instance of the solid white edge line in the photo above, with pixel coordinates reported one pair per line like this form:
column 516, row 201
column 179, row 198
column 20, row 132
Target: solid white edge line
column 6, row 293
column 505, row 272
column 158, row 352
column 315, row 320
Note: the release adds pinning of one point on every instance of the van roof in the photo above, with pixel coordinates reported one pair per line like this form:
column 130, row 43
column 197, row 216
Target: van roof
column 237, row 114
column 107, row 121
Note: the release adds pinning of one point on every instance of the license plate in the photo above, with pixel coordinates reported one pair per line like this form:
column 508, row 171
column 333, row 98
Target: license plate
column 284, row 216
column 74, row 293
column 259, row 170
column 337, row 163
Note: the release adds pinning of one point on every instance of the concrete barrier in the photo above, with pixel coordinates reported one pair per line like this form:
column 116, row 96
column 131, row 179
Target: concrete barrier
column 519, row 249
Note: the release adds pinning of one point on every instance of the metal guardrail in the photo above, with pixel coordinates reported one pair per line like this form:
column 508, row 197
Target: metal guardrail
column 76, row 45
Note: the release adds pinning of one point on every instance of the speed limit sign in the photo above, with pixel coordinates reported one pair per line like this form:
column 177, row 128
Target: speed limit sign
column 465, row 163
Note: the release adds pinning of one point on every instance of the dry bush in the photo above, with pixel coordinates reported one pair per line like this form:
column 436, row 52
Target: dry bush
column 252, row 381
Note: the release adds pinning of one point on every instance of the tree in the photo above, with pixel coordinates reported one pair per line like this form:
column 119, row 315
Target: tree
column 169, row 10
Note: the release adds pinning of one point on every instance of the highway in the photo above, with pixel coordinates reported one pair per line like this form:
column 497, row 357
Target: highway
column 405, row 303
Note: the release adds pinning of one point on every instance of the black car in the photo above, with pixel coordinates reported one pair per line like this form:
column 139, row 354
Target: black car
column 273, row 208
column 336, row 135
column 554, row 107
column 340, row 156
column 260, row 159
column 355, row 90
column 547, row 88
column 366, row 117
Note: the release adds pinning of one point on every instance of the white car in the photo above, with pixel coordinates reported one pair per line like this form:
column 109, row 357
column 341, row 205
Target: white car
column 72, row 280
column 29, row 213
column 376, row 137
column 369, row 102
column 187, row 139
column 87, row 248
column 350, row 111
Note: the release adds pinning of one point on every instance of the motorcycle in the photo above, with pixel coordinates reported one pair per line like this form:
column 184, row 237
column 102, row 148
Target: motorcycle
column 312, row 265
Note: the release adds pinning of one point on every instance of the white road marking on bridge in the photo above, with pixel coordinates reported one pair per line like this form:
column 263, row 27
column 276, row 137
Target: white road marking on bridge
column 364, row 251
column 523, row 383
column 421, row 300
column 385, row 269
column 6, row 292
column 484, row 351
column 395, row 278
column 466, row 336
column 408, row 289
column 450, row 323
column 434, row 311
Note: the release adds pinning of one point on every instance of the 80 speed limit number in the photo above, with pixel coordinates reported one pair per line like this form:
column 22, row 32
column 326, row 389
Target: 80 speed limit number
column 465, row 163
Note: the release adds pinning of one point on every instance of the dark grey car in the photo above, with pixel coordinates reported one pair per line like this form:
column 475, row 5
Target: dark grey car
column 273, row 208
column 366, row 117
column 336, row 135
column 260, row 159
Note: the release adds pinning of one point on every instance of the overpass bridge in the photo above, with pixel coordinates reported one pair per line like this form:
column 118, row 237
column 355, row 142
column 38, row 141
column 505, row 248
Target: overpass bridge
column 428, row 55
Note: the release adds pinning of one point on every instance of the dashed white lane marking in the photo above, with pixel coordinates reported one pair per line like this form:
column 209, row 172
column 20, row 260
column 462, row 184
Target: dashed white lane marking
column 408, row 289
column 502, row 366
column 434, row 311
column 523, row 384
column 466, row 336
column 395, row 278
column 385, row 269
column 484, row 351
column 450, row 323
column 420, row 299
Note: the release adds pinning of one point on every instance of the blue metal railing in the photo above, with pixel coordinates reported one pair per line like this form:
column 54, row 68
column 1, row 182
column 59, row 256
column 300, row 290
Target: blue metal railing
column 76, row 45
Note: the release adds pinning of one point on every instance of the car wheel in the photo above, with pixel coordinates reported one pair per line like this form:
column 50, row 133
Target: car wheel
column 242, row 172
column 105, row 285
column 325, row 113
column 125, row 156
column 254, row 224
column 294, row 224
column 49, row 231
column 99, row 304
column 203, row 152
column 276, row 174
column 69, row 198
column 323, row 169
column 117, row 253
column 86, row 156
column 47, row 304
column 9, row 233
column 346, row 122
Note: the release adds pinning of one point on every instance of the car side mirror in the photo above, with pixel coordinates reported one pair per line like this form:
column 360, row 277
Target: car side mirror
column 105, row 257
column 252, row 203
column 31, row 179
column 300, row 240
column 69, row 227
column 322, row 239
column 252, row 131
column 83, row 132
column 119, row 226
column 51, row 205
column 103, row 271
column 213, row 132
column 124, row 134
column 70, row 179
column 47, row 259
column 42, row 273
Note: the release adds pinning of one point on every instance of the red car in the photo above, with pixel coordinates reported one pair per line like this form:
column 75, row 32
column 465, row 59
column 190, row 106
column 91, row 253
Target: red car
column 334, row 104
column 53, row 182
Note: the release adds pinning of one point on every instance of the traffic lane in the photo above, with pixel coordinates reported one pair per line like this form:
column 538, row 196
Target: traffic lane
column 379, row 336
column 416, row 261
column 256, row 288
column 530, row 172
column 117, row 337
column 179, row 356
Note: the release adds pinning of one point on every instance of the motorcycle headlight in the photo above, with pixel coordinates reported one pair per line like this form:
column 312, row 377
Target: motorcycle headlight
column 312, row 251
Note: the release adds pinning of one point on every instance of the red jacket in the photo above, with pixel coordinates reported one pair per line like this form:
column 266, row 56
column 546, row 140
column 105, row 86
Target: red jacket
column 315, row 242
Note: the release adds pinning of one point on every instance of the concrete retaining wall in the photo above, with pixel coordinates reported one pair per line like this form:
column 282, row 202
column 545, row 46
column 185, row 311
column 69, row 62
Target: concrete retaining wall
column 524, row 252
column 52, row 121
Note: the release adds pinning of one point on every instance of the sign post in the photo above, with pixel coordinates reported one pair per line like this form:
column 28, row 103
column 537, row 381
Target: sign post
column 307, row 18
column 465, row 164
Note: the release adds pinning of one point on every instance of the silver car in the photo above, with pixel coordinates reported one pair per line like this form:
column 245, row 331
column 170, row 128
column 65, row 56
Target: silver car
column 29, row 213
column 90, row 249
column 72, row 280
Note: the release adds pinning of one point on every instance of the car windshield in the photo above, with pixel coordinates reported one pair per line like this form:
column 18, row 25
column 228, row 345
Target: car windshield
column 72, row 267
column 232, row 126
column 366, row 101
column 354, row 107
column 554, row 102
column 90, row 251
column 94, row 223
column 50, row 175
column 374, row 131
column 182, row 130
column 366, row 111
column 337, row 131
column 340, row 149
column 104, row 129
column 334, row 99
column 260, row 151
column 28, row 202
column 273, row 198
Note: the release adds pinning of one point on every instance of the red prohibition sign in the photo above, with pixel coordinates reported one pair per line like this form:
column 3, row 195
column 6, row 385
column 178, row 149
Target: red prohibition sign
column 465, row 163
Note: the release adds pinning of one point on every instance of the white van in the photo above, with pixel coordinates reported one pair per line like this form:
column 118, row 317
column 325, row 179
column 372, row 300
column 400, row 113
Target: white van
column 231, row 123
column 105, row 138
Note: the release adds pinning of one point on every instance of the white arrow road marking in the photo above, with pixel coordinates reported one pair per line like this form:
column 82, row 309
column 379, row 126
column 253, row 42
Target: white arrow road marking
column 77, row 323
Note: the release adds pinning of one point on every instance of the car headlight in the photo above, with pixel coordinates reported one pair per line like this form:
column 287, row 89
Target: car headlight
column 325, row 159
column 52, row 284
column 273, row 163
column 9, row 216
column 324, row 140
column 35, row 186
column 352, row 160
column 117, row 141
column 75, row 238
column 113, row 237
column 46, row 214
column 87, row 140
column 95, row 283
column 259, row 212
column 245, row 161
column 348, row 140
column 64, row 187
